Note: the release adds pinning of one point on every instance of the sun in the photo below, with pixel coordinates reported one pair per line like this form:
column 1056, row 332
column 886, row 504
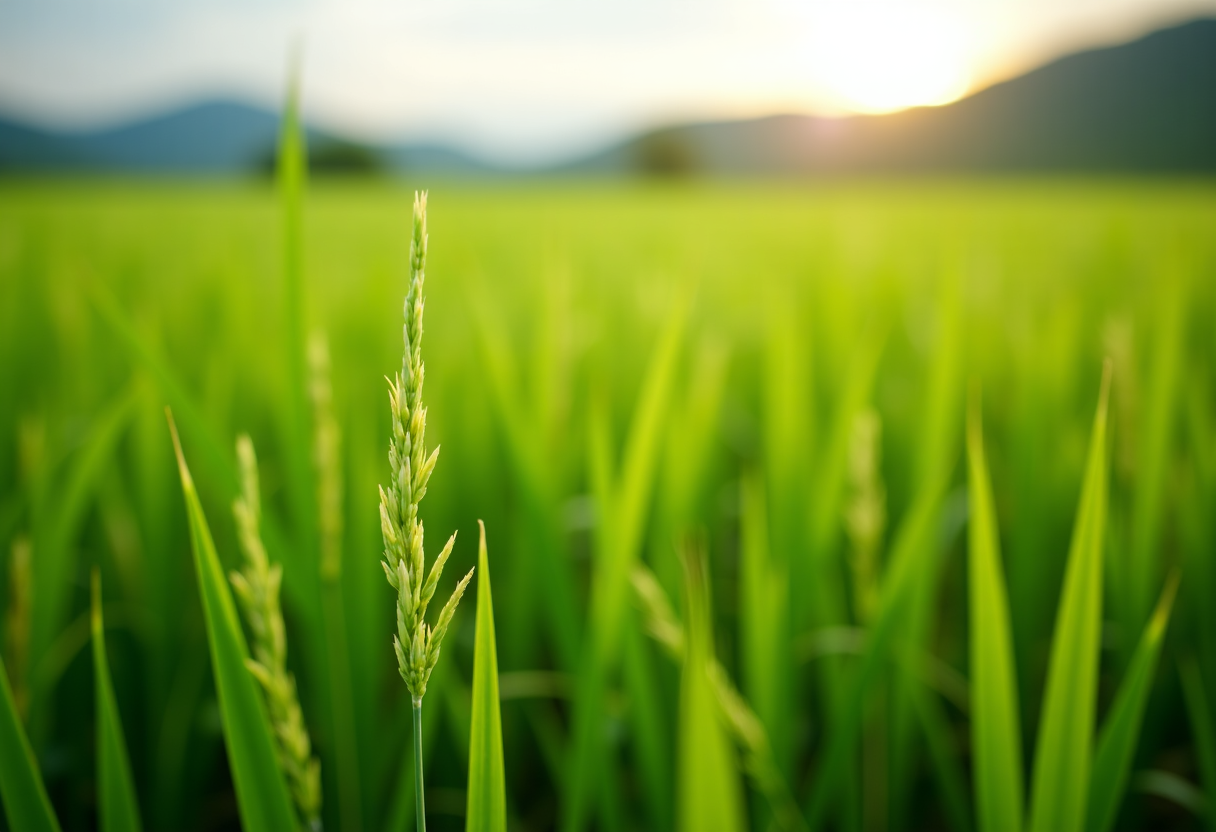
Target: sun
column 881, row 57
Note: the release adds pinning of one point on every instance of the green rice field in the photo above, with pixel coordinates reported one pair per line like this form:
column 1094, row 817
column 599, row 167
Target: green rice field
column 807, row 505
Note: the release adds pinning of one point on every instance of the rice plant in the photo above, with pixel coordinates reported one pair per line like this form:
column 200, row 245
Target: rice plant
column 257, row 589
column 416, row 643
column 758, row 562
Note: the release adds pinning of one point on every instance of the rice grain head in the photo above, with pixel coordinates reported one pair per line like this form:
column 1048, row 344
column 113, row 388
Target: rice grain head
column 865, row 516
column 416, row 643
column 257, row 590
column 326, row 455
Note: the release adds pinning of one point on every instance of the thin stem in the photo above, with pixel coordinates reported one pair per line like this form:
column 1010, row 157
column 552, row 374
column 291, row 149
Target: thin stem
column 347, row 755
column 419, row 801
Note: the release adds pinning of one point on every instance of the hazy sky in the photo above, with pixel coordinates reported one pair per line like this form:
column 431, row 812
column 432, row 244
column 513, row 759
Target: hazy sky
column 525, row 79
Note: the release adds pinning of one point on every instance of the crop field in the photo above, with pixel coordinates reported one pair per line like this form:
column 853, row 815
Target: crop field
column 836, row 505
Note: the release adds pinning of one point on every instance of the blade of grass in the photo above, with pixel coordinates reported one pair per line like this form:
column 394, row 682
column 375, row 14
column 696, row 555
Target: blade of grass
column 487, row 797
column 910, row 554
column 709, row 798
column 261, row 792
column 327, row 459
column 53, row 545
column 951, row 783
column 1153, row 458
column 1203, row 729
column 749, row 732
column 25, row 802
column 1117, row 740
column 764, row 629
column 116, row 788
column 995, row 725
column 215, row 453
column 292, row 174
column 619, row 540
column 1064, row 748
column 827, row 607
column 936, row 453
column 529, row 443
column 650, row 732
column 300, row 580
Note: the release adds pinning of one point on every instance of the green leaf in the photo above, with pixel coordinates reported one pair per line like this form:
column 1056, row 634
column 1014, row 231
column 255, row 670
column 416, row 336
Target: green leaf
column 945, row 762
column 709, row 796
column 115, row 786
column 617, row 549
column 526, row 421
column 1062, row 755
column 1203, row 729
column 764, row 626
column 995, row 730
column 292, row 174
column 261, row 793
column 911, row 554
column 1117, row 741
column 1156, row 435
column 53, row 545
column 25, row 802
column 487, row 798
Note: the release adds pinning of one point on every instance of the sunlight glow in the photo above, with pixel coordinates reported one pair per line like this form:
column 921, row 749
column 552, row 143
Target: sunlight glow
column 881, row 57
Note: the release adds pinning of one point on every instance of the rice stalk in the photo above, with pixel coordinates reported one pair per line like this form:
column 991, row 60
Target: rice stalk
column 664, row 627
column 119, row 807
column 865, row 515
column 17, row 621
column 865, row 520
column 22, row 792
column 416, row 643
column 327, row 461
column 257, row 590
column 327, row 440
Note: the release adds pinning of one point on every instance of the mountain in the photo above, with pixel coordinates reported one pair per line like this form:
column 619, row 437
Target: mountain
column 209, row 138
column 1145, row 106
column 1148, row 106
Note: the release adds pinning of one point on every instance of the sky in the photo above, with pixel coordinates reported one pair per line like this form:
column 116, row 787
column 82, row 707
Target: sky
column 534, row 80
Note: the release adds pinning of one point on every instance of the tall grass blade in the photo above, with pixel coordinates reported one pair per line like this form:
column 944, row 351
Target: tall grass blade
column 936, row 453
column 261, row 792
column 487, row 797
column 292, row 174
column 215, row 452
column 24, row 796
column 1063, row 752
column 53, row 544
column 943, row 757
column 910, row 554
column 1117, row 740
column 709, row 796
column 995, row 726
column 764, row 627
column 1203, row 729
column 116, row 788
column 619, row 542
column 524, row 421
column 650, row 726
column 1156, row 441
column 327, row 459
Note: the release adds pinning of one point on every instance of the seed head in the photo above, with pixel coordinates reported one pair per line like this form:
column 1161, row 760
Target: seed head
column 415, row 643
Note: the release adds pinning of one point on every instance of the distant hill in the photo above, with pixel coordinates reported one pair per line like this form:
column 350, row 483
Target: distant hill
column 1145, row 106
column 209, row 138
column 1148, row 106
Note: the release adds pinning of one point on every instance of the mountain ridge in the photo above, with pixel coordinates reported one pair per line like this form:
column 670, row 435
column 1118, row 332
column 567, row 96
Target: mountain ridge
column 1147, row 106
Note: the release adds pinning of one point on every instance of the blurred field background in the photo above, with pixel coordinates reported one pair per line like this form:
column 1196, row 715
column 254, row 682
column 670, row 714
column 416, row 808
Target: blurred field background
column 614, row 369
